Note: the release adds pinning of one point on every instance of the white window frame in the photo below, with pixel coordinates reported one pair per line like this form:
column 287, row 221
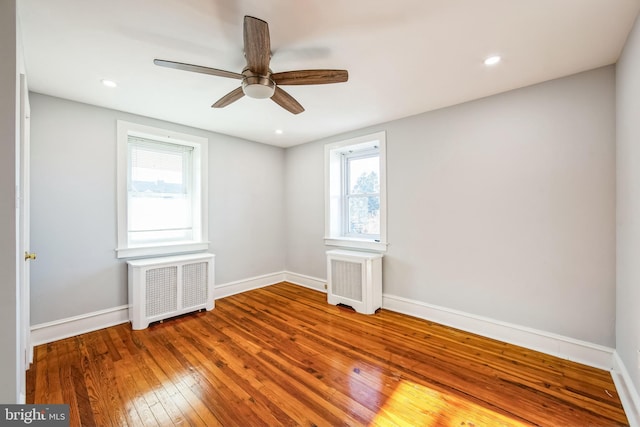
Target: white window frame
column 335, row 197
column 346, row 193
column 200, row 241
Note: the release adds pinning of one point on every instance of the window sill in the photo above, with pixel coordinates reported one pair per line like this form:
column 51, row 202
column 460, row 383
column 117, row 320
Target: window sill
column 344, row 242
column 163, row 250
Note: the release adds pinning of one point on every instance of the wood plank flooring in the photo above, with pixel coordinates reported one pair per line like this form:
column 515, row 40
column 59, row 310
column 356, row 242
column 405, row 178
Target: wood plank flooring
column 282, row 356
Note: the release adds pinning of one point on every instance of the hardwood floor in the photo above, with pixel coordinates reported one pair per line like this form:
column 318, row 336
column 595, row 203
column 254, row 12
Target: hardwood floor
column 282, row 356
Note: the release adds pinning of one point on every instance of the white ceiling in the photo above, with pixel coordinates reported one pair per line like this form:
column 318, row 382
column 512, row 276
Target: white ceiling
column 404, row 57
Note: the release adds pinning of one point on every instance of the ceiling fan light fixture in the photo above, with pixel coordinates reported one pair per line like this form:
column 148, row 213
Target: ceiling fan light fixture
column 258, row 81
column 258, row 87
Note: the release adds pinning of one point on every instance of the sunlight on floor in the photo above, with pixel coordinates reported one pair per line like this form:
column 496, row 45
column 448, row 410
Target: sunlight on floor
column 413, row 404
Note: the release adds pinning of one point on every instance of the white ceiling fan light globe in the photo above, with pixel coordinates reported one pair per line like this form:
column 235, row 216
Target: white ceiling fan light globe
column 258, row 87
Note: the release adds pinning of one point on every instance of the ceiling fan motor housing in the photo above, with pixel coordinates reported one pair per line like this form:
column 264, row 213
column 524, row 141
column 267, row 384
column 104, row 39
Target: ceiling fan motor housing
column 256, row 86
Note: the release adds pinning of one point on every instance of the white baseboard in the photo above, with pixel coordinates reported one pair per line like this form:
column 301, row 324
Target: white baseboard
column 628, row 394
column 556, row 345
column 64, row 328
column 564, row 347
column 239, row 286
column 306, row 281
column 76, row 325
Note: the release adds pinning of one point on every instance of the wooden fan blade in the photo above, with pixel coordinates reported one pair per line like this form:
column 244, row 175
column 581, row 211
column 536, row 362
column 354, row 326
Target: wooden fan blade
column 257, row 47
column 229, row 98
column 197, row 69
column 310, row 77
column 286, row 101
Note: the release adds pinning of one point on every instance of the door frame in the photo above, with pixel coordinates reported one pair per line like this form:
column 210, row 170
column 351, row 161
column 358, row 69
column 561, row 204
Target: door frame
column 25, row 349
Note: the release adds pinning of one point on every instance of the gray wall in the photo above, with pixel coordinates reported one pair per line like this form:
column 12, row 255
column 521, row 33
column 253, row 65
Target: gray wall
column 502, row 207
column 73, row 220
column 628, row 205
column 8, row 130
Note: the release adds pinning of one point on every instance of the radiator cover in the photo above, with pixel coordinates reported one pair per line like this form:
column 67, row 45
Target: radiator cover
column 164, row 287
column 355, row 279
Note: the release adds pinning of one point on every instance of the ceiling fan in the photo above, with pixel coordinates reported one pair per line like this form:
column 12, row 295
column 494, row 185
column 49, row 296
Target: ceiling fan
column 257, row 79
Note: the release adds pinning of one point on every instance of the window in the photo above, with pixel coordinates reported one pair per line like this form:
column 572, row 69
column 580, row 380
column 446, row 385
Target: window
column 162, row 203
column 362, row 194
column 356, row 193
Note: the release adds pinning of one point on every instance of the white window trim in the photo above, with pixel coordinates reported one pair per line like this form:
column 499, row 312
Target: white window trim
column 124, row 129
column 333, row 213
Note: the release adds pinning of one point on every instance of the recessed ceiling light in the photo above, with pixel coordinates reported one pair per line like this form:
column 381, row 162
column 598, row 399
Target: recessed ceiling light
column 109, row 83
column 279, row 131
column 492, row 60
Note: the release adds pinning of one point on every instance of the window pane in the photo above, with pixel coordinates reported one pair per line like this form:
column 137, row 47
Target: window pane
column 159, row 169
column 364, row 215
column 148, row 212
column 159, row 199
column 364, row 175
column 160, row 237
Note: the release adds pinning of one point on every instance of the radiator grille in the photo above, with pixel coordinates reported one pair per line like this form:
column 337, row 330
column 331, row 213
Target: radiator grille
column 194, row 284
column 346, row 279
column 162, row 289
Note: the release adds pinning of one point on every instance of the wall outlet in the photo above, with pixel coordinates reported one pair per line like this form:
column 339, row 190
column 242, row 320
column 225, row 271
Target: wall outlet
column 325, row 286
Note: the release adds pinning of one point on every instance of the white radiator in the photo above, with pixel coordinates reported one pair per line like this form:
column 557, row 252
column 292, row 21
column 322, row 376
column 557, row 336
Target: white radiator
column 355, row 279
column 164, row 287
